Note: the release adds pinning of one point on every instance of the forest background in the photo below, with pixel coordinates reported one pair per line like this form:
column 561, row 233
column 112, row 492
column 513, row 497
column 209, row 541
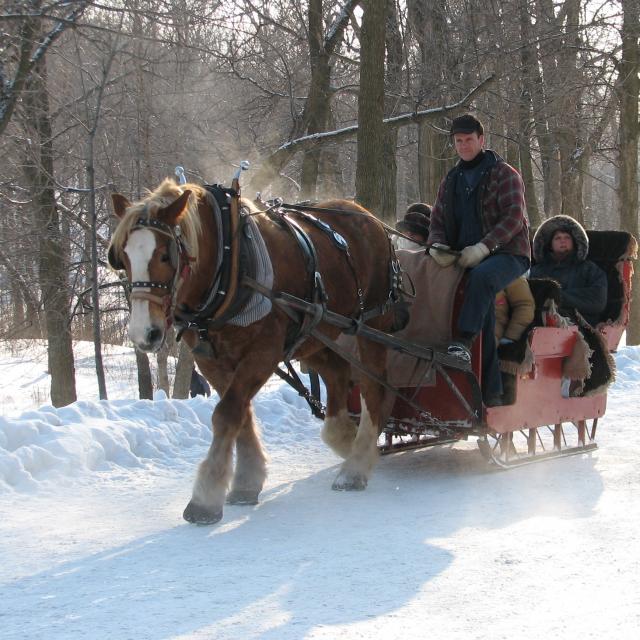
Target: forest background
column 348, row 98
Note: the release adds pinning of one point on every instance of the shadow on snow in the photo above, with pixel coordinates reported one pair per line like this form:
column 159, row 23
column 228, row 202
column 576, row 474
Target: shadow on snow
column 305, row 557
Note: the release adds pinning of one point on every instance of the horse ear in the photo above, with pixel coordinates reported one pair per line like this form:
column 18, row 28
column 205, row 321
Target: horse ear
column 172, row 213
column 113, row 259
column 120, row 204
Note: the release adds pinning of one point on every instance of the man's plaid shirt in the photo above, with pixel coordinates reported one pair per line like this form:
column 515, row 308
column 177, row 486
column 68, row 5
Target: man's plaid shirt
column 500, row 205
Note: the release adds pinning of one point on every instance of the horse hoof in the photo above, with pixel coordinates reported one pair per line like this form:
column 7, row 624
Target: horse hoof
column 240, row 496
column 349, row 483
column 196, row 514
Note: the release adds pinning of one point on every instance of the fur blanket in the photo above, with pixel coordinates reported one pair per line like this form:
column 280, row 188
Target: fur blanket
column 590, row 366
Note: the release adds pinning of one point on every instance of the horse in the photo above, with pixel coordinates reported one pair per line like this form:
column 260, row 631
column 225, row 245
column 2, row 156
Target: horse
column 337, row 254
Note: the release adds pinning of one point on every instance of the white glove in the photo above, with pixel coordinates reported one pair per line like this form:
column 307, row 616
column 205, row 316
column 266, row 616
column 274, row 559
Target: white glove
column 442, row 258
column 473, row 255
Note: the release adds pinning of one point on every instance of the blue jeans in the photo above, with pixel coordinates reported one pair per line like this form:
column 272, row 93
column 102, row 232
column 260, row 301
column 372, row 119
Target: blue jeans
column 478, row 311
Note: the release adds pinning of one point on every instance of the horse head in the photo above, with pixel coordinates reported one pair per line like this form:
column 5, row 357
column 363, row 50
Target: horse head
column 154, row 243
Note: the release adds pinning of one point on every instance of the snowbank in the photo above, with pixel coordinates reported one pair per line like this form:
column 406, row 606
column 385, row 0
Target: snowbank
column 50, row 444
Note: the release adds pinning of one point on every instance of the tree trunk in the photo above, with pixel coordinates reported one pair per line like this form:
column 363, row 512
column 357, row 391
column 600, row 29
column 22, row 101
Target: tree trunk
column 162, row 359
column 331, row 182
column 528, row 60
column 428, row 22
column 317, row 104
column 182, row 380
column 95, row 298
column 434, row 160
column 143, row 80
column 53, row 267
column 317, row 109
column 571, row 176
column 393, row 85
column 628, row 88
column 26, row 312
column 145, row 382
column 542, row 95
column 371, row 106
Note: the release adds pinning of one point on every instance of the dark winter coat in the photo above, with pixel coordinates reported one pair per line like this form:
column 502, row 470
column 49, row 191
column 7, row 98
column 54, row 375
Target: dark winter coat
column 500, row 207
column 584, row 284
column 199, row 385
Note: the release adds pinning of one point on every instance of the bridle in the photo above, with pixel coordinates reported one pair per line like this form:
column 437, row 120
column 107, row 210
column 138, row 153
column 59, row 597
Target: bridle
column 180, row 261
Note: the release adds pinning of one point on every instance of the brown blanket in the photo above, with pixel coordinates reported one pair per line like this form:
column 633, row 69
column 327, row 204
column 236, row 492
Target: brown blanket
column 429, row 323
column 430, row 315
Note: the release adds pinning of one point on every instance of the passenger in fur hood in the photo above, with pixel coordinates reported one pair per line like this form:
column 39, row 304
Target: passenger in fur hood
column 560, row 249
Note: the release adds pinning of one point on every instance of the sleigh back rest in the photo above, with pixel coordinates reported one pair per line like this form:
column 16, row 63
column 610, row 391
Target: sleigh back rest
column 613, row 252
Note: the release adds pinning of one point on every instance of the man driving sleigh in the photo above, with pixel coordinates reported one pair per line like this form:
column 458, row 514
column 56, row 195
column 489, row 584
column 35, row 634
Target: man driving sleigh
column 480, row 212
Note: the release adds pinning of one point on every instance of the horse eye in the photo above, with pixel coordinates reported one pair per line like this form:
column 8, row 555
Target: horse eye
column 165, row 257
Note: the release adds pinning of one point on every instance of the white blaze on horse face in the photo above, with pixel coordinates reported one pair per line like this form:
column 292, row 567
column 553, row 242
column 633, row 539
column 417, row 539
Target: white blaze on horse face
column 140, row 247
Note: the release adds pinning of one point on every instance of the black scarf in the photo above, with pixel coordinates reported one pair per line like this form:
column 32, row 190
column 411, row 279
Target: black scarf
column 470, row 164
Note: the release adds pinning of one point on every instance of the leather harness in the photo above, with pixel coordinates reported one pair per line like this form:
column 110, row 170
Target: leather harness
column 180, row 261
column 233, row 282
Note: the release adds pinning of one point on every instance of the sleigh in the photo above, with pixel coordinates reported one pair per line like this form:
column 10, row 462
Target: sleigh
column 545, row 417
column 547, row 413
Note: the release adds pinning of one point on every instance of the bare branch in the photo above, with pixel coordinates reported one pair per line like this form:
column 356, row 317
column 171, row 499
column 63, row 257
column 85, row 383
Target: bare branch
column 273, row 165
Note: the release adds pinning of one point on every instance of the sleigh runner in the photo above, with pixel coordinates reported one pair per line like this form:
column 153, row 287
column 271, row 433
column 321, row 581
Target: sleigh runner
column 327, row 271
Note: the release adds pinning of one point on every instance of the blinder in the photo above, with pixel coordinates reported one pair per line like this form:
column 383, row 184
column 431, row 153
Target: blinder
column 174, row 255
column 113, row 260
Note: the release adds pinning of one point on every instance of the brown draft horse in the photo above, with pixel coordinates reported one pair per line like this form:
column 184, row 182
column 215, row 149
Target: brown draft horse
column 167, row 244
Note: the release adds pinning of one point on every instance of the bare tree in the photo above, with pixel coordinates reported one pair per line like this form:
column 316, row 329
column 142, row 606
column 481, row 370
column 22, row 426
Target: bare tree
column 428, row 20
column 317, row 108
column 52, row 251
column 628, row 89
column 93, row 114
column 26, row 39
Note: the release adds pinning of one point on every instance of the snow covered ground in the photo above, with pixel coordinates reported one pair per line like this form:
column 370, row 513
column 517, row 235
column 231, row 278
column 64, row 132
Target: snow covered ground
column 92, row 543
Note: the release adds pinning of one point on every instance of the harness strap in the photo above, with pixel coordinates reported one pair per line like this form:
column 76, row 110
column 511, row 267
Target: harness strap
column 146, row 284
column 318, row 295
column 180, row 261
column 293, row 380
column 396, row 273
column 221, row 284
column 234, row 252
column 226, row 296
column 338, row 241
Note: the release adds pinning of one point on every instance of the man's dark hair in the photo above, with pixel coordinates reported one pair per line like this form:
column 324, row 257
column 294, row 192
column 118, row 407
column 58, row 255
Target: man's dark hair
column 466, row 123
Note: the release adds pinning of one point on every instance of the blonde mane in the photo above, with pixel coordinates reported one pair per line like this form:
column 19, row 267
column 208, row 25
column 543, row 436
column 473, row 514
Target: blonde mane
column 162, row 196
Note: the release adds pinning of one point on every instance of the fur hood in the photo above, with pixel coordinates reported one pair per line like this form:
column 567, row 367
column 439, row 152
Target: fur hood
column 542, row 237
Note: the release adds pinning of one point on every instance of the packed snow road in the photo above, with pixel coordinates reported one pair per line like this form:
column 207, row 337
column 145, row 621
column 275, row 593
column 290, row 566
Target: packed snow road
column 92, row 544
